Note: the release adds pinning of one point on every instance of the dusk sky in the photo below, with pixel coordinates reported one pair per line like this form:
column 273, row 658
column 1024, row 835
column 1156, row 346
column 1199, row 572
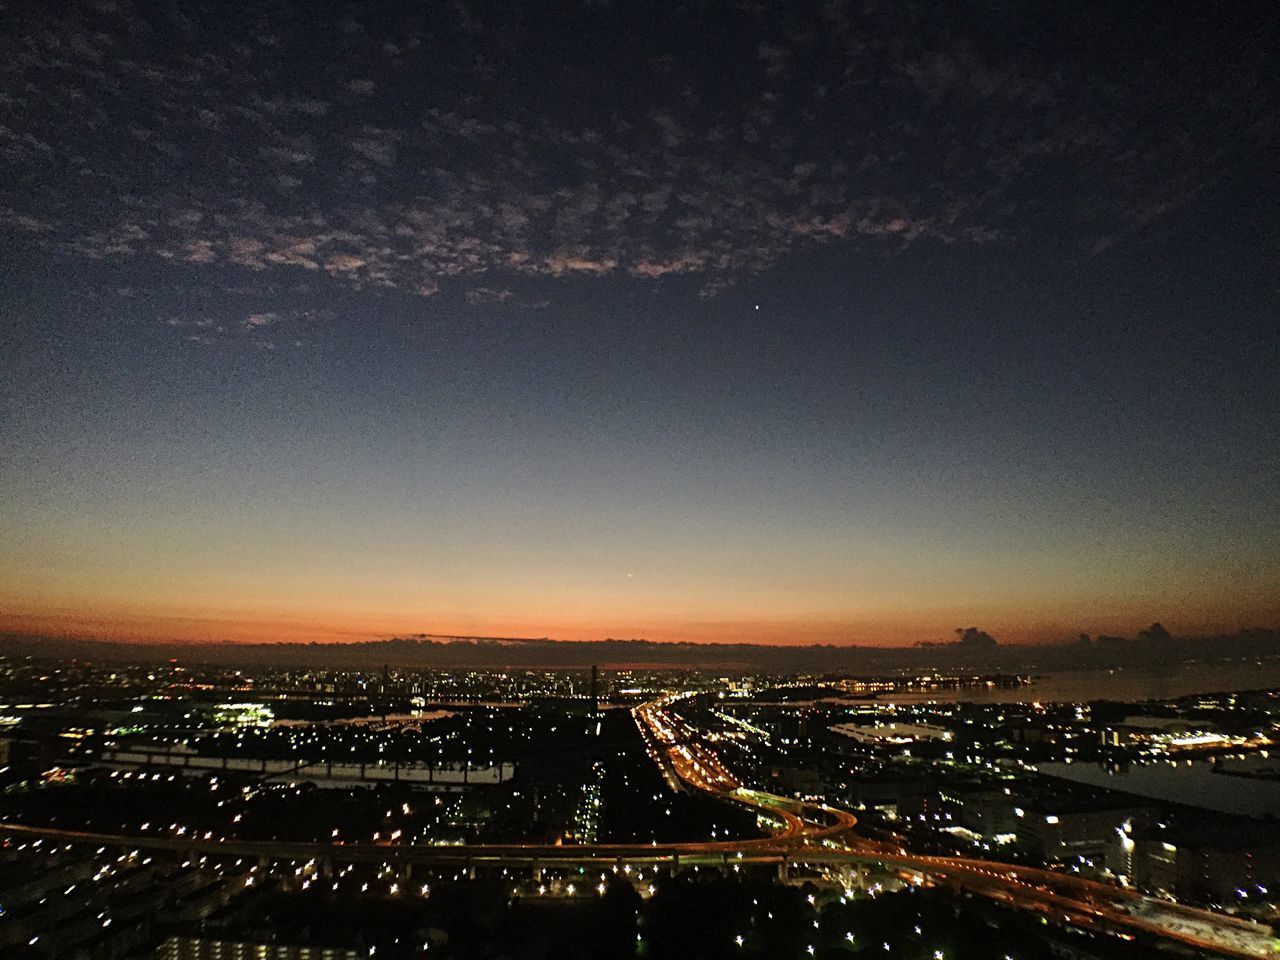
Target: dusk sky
column 845, row 322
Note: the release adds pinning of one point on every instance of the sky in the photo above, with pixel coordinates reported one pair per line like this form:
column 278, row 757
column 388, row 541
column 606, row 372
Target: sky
column 849, row 322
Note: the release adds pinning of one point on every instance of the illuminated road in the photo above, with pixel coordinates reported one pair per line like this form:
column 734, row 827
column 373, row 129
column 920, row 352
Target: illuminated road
column 1088, row 904
column 681, row 750
column 682, row 753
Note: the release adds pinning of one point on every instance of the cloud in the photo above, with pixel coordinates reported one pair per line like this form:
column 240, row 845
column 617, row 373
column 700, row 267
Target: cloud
column 859, row 125
column 198, row 251
column 376, row 145
column 25, row 222
column 293, row 251
column 344, row 263
column 220, row 325
column 686, row 263
column 479, row 295
column 774, row 57
column 288, row 155
column 559, row 264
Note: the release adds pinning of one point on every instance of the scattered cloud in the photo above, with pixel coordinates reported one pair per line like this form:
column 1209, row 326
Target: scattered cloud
column 850, row 124
column 377, row 146
column 479, row 295
column 344, row 263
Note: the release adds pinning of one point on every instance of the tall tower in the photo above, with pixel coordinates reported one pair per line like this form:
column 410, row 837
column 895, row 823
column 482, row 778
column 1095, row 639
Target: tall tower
column 595, row 689
column 386, row 687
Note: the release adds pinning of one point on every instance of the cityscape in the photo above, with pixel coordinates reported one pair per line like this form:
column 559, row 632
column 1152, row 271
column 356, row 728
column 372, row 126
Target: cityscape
column 177, row 809
column 639, row 480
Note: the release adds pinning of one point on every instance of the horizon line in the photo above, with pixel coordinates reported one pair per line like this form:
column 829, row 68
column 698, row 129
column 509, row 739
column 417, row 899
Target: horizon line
column 446, row 639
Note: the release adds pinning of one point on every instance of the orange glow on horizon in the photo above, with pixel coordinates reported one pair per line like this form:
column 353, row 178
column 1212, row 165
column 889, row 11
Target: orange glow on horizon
column 151, row 626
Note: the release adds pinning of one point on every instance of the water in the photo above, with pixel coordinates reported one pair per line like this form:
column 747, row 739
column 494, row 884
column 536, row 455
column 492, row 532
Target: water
column 1161, row 681
column 1191, row 782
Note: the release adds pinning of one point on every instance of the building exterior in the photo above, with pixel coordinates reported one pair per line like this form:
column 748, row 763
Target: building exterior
column 205, row 948
column 1088, row 833
column 892, row 734
column 1225, row 863
column 988, row 813
column 792, row 780
column 903, row 797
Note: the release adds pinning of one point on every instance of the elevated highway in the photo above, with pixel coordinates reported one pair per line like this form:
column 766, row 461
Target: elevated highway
column 821, row 835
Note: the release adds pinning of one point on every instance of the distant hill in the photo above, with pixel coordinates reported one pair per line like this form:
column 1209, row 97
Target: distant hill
column 426, row 651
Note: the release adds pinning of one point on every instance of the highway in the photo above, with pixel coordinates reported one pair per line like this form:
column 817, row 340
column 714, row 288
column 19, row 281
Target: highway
column 681, row 751
column 1060, row 897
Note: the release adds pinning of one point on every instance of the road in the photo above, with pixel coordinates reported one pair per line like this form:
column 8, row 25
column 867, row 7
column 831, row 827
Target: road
column 1057, row 896
column 682, row 752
